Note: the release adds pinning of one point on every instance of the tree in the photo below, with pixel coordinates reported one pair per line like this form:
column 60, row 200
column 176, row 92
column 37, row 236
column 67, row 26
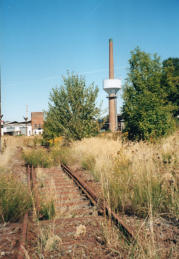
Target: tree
column 145, row 111
column 170, row 82
column 72, row 110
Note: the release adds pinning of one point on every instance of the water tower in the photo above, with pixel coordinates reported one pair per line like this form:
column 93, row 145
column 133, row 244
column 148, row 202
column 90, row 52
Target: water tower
column 112, row 86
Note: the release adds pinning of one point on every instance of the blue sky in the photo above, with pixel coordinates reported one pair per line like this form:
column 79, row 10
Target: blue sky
column 41, row 39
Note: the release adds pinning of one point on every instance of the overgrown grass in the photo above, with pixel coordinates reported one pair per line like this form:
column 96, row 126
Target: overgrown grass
column 135, row 177
column 47, row 196
column 47, row 210
column 37, row 158
column 42, row 157
column 15, row 200
column 9, row 148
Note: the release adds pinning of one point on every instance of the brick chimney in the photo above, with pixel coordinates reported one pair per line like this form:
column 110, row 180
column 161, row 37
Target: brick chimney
column 112, row 97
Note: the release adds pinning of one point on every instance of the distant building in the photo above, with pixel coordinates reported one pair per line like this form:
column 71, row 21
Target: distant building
column 120, row 123
column 37, row 121
column 29, row 128
column 17, row 128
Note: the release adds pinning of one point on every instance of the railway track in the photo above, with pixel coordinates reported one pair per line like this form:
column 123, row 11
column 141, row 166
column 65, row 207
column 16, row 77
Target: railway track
column 76, row 231
column 104, row 209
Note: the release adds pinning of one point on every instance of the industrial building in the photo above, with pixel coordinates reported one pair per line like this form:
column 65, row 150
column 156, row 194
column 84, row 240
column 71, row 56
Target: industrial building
column 37, row 120
column 27, row 128
column 17, row 128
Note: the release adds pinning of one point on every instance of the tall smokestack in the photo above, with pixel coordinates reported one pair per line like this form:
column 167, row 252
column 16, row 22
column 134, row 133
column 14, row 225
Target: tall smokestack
column 112, row 97
column 111, row 63
column 112, row 86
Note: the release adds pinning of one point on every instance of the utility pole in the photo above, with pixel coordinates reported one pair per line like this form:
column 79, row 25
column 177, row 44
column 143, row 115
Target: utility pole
column 26, row 119
column 0, row 116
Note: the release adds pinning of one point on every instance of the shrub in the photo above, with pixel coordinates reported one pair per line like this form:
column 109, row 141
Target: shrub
column 72, row 110
column 15, row 200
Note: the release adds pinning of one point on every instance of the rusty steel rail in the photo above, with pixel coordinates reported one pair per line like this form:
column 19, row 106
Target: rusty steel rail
column 32, row 187
column 128, row 232
column 21, row 251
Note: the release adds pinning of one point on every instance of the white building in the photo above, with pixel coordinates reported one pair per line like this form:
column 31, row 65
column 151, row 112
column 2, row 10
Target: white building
column 17, row 128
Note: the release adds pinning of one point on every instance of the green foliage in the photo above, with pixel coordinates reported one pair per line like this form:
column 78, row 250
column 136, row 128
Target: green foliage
column 145, row 111
column 37, row 158
column 44, row 158
column 47, row 210
column 72, row 110
column 15, row 200
column 170, row 82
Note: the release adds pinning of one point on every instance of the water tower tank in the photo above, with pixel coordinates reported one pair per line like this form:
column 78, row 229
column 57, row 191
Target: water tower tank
column 112, row 86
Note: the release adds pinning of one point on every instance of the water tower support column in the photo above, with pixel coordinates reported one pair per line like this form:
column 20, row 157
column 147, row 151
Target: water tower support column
column 111, row 86
column 112, row 97
column 112, row 113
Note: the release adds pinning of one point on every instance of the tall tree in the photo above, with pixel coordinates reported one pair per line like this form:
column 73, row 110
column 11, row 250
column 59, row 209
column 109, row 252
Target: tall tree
column 145, row 111
column 72, row 110
column 170, row 82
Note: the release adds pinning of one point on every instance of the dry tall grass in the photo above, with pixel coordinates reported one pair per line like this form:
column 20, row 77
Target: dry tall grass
column 15, row 200
column 14, row 197
column 9, row 147
column 137, row 178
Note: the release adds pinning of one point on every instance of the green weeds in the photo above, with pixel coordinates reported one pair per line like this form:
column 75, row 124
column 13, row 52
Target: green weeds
column 15, row 200
column 37, row 158
column 47, row 210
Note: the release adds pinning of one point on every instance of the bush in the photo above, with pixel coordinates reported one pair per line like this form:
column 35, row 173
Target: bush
column 15, row 200
column 72, row 110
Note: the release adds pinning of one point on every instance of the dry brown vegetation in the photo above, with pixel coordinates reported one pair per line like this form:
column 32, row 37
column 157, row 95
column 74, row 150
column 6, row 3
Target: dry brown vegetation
column 140, row 179
column 9, row 148
column 15, row 200
column 137, row 178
